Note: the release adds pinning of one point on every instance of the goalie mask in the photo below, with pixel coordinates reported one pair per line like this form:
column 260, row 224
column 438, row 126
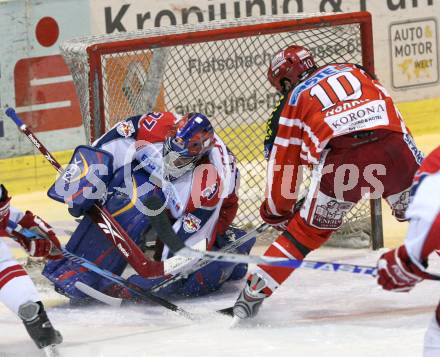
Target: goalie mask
column 192, row 139
column 290, row 66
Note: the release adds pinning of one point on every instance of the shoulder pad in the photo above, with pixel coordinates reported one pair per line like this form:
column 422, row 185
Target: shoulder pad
column 154, row 127
column 124, row 129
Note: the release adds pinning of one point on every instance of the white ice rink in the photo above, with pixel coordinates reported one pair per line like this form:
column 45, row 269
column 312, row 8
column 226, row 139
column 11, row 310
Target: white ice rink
column 315, row 313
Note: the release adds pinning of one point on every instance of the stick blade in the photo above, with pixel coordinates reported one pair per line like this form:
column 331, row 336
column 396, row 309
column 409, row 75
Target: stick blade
column 51, row 351
column 97, row 295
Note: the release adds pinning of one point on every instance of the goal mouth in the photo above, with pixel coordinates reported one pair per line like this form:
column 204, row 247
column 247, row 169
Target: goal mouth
column 217, row 68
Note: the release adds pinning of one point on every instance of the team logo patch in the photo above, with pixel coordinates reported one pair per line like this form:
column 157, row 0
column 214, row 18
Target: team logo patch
column 399, row 203
column 125, row 129
column 330, row 215
column 191, row 223
column 210, row 191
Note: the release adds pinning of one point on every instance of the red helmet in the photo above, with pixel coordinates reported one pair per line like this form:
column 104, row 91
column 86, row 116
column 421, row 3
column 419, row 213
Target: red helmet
column 290, row 64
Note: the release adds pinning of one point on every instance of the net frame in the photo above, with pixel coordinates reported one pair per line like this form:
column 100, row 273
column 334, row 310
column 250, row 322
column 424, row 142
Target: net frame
column 96, row 47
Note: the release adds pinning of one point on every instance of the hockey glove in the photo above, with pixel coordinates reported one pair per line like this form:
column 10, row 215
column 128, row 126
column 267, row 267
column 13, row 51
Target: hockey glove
column 4, row 208
column 278, row 222
column 43, row 248
column 397, row 272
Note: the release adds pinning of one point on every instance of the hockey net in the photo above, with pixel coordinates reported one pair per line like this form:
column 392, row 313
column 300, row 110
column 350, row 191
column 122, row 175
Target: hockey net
column 218, row 68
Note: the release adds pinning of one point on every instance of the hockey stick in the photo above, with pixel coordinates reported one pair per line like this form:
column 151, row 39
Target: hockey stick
column 162, row 225
column 204, row 262
column 140, row 293
column 117, row 302
column 97, row 295
column 100, row 216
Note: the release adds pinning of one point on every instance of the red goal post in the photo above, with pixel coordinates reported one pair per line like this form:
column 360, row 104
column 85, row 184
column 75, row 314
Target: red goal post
column 219, row 68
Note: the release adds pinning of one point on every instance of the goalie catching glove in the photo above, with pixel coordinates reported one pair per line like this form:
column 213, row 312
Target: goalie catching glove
column 47, row 245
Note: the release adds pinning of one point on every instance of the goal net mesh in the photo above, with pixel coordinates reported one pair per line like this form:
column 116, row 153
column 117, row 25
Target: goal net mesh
column 223, row 78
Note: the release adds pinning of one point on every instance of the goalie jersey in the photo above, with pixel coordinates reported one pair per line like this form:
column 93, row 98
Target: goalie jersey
column 203, row 201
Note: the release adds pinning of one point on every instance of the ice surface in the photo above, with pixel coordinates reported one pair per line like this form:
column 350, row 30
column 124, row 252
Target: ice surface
column 314, row 313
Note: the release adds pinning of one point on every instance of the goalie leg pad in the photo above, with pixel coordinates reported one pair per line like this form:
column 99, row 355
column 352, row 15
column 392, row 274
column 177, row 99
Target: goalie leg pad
column 208, row 279
column 212, row 277
column 89, row 242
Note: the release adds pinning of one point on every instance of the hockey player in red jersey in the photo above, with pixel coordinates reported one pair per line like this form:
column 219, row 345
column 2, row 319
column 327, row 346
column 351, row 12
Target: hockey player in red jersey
column 402, row 268
column 339, row 119
column 17, row 290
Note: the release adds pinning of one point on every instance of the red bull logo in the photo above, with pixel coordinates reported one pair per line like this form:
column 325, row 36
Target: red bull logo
column 191, row 223
column 125, row 129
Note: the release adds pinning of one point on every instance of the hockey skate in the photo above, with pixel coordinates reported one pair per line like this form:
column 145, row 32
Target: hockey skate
column 39, row 327
column 250, row 299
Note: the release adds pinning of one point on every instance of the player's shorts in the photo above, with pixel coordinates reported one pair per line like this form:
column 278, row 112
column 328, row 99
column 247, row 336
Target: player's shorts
column 369, row 164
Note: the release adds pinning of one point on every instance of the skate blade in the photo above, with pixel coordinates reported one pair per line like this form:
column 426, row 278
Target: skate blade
column 51, row 351
column 235, row 322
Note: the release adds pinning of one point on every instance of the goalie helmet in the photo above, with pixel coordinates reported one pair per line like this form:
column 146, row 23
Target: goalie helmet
column 292, row 65
column 192, row 139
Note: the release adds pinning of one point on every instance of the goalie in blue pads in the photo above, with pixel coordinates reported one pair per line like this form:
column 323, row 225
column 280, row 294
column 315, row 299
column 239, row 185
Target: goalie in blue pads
column 179, row 159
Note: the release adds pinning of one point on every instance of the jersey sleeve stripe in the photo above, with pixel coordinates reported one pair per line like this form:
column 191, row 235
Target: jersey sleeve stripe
column 287, row 142
column 312, row 136
column 270, row 173
column 300, row 124
column 290, row 122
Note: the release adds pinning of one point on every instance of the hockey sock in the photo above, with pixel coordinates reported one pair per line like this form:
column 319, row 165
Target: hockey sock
column 16, row 287
column 285, row 246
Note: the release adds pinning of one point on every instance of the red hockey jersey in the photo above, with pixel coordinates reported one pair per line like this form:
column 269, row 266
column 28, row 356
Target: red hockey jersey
column 337, row 99
column 424, row 210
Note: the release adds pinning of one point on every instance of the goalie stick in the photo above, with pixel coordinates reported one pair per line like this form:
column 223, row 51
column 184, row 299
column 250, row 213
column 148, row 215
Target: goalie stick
column 231, row 247
column 117, row 302
column 97, row 295
column 100, row 216
column 227, row 249
column 140, row 293
column 162, row 225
